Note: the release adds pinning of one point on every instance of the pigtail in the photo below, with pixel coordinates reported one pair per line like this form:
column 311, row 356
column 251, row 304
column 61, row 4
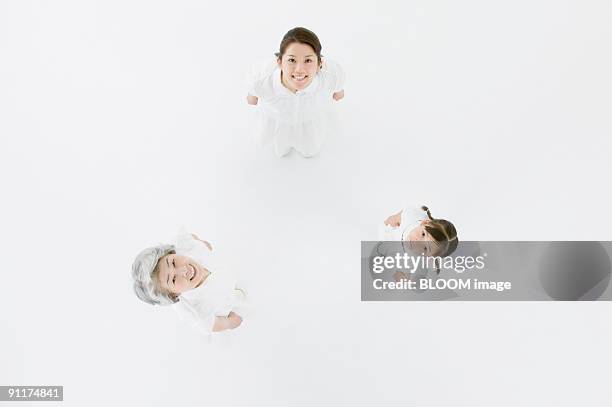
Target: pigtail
column 426, row 209
column 442, row 231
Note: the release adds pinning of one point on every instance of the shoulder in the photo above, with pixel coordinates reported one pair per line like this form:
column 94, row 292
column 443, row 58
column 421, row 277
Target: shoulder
column 333, row 74
column 188, row 245
column 184, row 309
column 261, row 75
column 331, row 67
column 186, row 241
column 195, row 315
column 412, row 214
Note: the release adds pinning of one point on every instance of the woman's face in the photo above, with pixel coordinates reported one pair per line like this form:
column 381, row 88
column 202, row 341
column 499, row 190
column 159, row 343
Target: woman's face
column 177, row 274
column 299, row 65
column 421, row 242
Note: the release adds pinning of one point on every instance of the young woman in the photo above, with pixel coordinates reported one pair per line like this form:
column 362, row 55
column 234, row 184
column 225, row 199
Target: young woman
column 294, row 95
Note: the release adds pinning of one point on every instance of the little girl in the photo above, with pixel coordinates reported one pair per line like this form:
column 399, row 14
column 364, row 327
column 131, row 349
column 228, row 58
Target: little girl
column 295, row 93
column 185, row 277
column 422, row 233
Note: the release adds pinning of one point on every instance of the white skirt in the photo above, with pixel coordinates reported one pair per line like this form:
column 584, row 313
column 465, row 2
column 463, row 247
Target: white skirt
column 306, row 137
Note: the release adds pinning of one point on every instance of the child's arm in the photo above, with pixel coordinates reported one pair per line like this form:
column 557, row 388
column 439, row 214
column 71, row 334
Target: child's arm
column 394, row 220
column 231, row 321
column 338, row 95
column 252, row 100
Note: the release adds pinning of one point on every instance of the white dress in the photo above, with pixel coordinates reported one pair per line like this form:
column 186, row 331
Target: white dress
column 216, row 296
column 301, row 120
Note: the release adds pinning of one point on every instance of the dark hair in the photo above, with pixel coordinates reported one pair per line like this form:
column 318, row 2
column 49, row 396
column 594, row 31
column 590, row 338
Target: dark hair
column 300, row 35
column 442, row 231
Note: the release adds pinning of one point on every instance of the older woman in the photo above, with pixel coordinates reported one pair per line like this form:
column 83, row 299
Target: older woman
column 184, row 277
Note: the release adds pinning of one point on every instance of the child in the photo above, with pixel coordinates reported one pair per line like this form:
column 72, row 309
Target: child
column 294, row 95
column 424, row 234
column 185, row 277
column 420, row 234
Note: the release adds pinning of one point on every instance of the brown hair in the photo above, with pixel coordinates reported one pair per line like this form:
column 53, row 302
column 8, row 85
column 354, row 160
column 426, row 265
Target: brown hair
column 300, row 35
column 442, row 232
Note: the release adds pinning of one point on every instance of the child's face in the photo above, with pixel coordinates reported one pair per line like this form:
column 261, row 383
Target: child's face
column 299, row 65
column 177, row 274
column 421, row 242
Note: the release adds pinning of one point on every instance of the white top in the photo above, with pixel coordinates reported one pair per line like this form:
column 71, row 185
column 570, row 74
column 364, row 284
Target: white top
column 411, row 217
column 216, row 296
column 295, row 120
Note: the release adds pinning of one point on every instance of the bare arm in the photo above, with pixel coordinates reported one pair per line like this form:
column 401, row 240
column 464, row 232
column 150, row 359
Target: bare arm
column 203, row 241
column 252, row 100
column 338, row 95
column 231, row 321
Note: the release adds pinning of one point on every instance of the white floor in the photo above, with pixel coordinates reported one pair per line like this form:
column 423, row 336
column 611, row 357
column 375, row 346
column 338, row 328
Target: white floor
column 122, row 122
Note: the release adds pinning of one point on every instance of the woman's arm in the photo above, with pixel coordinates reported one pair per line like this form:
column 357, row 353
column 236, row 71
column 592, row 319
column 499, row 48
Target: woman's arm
column 338, row 95
column 231, row 321
column 252, row 100
column 203, row 241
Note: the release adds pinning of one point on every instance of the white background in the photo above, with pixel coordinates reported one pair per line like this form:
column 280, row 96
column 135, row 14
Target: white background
column 121, row 121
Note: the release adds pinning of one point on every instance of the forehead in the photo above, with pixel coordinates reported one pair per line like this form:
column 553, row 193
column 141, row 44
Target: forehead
column 162, row 268
column 299, row 49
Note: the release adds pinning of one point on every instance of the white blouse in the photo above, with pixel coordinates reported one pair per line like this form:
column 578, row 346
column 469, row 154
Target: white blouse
column 299, row 120
column 216, row 296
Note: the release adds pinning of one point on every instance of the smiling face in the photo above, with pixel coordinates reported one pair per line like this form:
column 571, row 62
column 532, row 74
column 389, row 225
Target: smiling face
column 421, row 241
column 299, row 65
column 176, row 274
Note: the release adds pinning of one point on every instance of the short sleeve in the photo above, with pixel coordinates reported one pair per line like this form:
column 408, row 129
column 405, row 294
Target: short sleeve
column 257, row 76
column 334, row 75
column 412, row 215
column 253, row 85
column 201, row 321
column 187, row 245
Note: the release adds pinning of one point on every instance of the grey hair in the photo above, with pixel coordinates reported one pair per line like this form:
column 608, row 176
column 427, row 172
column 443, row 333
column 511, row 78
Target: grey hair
column 142, row 272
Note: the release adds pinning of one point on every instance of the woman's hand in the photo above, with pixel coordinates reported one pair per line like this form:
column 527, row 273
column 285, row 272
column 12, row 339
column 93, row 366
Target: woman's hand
column 394, row 220
column 252, row 100
column 231, row 321
column 338, row 95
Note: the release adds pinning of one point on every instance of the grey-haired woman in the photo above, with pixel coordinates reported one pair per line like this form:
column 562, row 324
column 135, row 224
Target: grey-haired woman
column 184, row 276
